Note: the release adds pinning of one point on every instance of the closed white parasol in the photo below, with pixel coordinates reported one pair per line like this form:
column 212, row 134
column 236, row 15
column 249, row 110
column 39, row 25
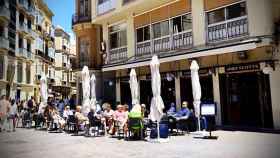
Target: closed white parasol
column 43, row 92
column 196, row 89
column 86, row 90
column 157, row 105
column 134, row 87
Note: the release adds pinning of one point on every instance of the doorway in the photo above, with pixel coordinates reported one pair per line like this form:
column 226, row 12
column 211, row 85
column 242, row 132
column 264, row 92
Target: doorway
column 206, row 84
column 246, row 100
column 125, row 93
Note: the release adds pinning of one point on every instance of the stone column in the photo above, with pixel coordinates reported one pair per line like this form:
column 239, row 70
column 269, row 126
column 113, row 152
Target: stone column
column 275, row 99
column 178, row 91
column 198, row 19
column 118, row 90
column 216, row 93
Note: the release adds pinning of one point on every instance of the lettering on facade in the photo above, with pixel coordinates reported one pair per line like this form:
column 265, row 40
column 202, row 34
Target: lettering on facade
column 242, row 67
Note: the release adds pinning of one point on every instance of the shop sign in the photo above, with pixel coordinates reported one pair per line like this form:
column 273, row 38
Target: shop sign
column 243, row 67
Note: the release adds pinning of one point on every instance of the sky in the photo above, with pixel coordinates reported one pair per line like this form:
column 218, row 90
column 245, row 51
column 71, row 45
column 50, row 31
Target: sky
column 63, row 11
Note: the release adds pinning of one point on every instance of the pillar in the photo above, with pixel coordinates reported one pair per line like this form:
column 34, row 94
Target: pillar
column 217, row 100
column 275, row 99
column 118, row 90
column 178, row 91
column 198, row 19
column 130, row 36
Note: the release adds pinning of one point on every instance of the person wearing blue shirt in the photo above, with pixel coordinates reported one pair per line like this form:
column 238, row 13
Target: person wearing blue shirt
column 172, row 110
column 184, row 113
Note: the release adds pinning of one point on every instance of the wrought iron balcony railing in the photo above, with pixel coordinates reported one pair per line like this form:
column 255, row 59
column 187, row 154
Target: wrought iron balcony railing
column 229, row 29
column 163, row 44
column 118, row 54
column 80, row 19
column 4, row 43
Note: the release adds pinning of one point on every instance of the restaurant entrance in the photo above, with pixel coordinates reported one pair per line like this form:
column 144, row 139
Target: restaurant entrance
column 245, row 100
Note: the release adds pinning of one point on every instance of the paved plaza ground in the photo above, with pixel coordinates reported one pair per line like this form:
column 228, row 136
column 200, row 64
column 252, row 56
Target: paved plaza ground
column 28, row 143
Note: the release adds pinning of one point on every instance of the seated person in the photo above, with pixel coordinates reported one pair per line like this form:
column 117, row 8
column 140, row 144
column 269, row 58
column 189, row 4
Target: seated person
column 108, row 114
column 82, row 120
column 57, row 119
column 172, row 110
column 184, row 113
column 134, row 124
column 120, row 118
column 67, row 112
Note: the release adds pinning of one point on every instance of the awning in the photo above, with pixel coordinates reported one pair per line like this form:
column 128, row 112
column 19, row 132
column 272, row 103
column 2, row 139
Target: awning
column 188, row 55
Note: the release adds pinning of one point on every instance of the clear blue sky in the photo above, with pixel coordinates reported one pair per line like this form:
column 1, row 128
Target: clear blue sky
column 63, row 10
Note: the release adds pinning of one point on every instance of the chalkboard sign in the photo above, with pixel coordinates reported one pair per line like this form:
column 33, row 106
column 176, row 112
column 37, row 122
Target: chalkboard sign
column 208, row 109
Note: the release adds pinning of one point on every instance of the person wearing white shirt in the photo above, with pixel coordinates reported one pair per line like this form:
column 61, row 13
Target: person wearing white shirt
column 67, row 112
column 13, row 115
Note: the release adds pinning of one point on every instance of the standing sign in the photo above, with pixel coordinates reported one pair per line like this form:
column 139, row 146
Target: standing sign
column 208, row 109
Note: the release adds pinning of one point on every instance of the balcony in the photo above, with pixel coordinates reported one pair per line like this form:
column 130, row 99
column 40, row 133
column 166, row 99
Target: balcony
column 23, row 28
column 80, row 19
column 4, row 12
column 29, row 55
column 4, row 43
column 176, row 41
column 106, row 6
column 24, row 5
column 31, row 33
column 22, row 52
column 118, row 54
column 226, row 30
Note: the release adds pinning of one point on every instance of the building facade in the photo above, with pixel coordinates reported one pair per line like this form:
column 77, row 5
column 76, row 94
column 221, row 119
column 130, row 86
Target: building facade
column 64, row 77
column 26, row 47
column 236, row 43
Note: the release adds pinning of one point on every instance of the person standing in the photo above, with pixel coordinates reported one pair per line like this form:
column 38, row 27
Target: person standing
column 13, row 114
column 5, row 107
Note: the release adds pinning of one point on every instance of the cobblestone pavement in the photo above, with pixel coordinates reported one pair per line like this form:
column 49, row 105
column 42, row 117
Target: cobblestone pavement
column 28, row 143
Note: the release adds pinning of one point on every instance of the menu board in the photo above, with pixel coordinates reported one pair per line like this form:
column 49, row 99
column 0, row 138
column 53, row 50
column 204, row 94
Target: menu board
column 208, row 109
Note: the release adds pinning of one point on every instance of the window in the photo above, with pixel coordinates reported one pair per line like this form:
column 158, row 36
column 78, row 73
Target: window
column 84, row 52
column 236, row 10
column 28, row 73
column 21, row 19
column 161, row 29
column 2, row 31
column 118, row 36
column 227, row 13
column 143, row 34
column 19, row 72
column 216, row 16
column 104, row 6
column 28, row 46
column 1, row 67
column 20, row 42
column 29, row 24
column 10, row 71
column 182, row 23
